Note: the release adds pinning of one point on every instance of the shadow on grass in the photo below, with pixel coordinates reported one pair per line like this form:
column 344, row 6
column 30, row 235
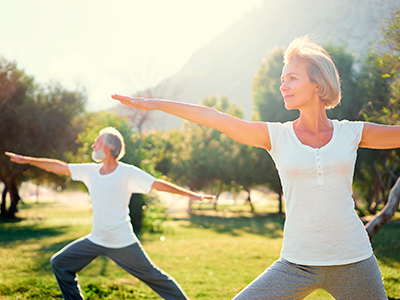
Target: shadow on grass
column 31, row 227
column 268, row 225
column 11, row 234
column 386, row 244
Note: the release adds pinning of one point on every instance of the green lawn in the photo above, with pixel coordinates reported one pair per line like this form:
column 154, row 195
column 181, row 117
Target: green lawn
column 212, row 257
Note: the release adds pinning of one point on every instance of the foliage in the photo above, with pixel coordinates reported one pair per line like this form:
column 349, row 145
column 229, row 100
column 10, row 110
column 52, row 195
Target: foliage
column 36, row 121
column 385, row 64
column 148, row 151
column 380, row 86
column 201, row 153
column 147, row 213
column 206, row 159
column 267, row 99
column 90, row 125
column 352, row 101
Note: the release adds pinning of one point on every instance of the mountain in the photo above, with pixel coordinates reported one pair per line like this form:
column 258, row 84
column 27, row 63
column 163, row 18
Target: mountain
column 228, row 64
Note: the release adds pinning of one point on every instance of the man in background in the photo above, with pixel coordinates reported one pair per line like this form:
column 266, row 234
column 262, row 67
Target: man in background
column 110, row 184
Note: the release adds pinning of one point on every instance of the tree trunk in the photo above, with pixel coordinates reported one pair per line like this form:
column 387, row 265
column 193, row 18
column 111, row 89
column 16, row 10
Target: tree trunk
column 358, row 209
column 280, row 193
column 3, row 201
column 249, row 200
column 386, row 213
column 37, row 193
column 280, row 203
column 11, row 187
column 14, row 195
column 216, row 199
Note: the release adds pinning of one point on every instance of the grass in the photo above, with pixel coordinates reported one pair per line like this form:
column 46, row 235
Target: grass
column 213, row 256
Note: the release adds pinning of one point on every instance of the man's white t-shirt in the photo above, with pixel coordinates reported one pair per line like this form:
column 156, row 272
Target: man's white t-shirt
column 322, row 226
column 110, row 195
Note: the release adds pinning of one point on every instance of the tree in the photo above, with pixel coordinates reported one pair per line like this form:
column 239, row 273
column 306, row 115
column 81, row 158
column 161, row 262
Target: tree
column 352, row 102
column 203, row 153
column 15, row 86
column 268, row 103
column 34, row 120
column 385, row 109
column 253, row 167
column 210, row 160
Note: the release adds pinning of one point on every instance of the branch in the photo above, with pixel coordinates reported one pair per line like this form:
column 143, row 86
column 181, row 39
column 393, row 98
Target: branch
column 19, row 170
column 386, row 213
column 392, row 175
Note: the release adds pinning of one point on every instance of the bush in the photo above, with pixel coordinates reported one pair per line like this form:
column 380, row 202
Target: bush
column 147, row 213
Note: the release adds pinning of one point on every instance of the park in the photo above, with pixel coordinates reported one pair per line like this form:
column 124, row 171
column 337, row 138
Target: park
column 212, row 256
column 215, row 247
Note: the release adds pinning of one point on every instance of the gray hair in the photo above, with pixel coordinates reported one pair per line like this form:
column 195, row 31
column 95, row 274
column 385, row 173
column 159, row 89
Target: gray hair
column 320, row 67
column 113, row 138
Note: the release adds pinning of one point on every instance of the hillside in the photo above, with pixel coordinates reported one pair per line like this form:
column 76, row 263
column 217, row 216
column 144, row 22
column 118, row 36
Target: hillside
column 227, row 65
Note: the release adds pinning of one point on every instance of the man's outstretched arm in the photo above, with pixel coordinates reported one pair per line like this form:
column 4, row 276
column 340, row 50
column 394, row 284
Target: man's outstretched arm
column 164, row 186
column 50, row 165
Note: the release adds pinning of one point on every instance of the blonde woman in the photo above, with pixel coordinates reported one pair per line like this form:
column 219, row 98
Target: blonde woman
column 325, row 245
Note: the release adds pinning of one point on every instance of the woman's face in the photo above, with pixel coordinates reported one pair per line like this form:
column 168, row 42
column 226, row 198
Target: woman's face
column 297, row 90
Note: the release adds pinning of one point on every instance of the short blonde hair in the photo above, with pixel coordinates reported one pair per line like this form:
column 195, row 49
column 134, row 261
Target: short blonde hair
column 320, row 67
column 113, row 138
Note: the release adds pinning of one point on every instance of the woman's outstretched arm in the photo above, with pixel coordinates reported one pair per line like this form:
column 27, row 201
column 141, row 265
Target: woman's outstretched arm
column 376, row 136
column 250, row 133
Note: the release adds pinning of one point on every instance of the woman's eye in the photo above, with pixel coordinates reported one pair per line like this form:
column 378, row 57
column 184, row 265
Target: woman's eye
column 292, row 78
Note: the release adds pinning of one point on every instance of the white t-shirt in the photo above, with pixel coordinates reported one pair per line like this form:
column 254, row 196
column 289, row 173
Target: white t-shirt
column 322, row 227
column 110, row 195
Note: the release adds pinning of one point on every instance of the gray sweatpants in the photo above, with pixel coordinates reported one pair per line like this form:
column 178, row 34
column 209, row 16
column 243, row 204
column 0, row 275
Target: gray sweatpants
column 75, row 256
column 284, row 280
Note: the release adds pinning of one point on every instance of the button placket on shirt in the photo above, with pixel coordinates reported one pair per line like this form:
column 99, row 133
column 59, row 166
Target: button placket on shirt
column 320, row 169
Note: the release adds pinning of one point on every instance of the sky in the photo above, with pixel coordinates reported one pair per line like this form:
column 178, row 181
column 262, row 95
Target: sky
column 107, row 47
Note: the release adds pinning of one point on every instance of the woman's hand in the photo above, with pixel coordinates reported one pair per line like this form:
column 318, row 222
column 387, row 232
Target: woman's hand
column 250, row 133
column 135, row 102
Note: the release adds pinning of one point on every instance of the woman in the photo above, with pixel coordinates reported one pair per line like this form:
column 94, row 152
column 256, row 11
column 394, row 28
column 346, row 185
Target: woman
column 325, row 245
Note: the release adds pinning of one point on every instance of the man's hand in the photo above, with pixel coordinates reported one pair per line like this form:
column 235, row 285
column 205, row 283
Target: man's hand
column 19, row 159
column 50, row 165
column 165, row 186
column 201, row 197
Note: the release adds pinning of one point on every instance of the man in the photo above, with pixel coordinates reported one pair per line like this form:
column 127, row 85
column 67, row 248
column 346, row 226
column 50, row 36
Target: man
column 110, row 184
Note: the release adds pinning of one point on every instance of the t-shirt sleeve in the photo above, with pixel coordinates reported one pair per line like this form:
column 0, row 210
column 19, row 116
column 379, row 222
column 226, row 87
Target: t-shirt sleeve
column 80, row 172
column 273, row 130
column 139, row 181
column 356, row 127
